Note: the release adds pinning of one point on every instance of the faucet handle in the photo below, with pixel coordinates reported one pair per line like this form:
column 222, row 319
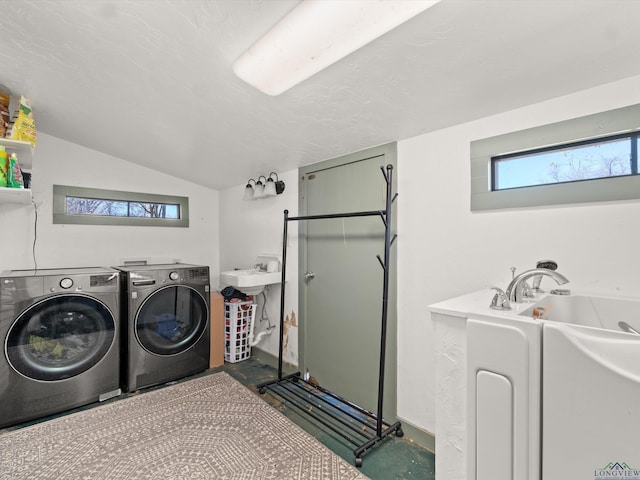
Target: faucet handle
column 500, row 300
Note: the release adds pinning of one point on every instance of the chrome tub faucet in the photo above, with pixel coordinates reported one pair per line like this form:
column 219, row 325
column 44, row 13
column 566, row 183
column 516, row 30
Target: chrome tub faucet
column 519, row 290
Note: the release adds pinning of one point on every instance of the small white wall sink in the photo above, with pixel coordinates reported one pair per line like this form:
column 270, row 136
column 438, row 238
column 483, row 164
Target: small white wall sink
column 250, row 281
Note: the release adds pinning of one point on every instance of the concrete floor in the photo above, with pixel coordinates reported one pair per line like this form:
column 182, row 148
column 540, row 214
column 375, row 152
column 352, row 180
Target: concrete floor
column 391, row 459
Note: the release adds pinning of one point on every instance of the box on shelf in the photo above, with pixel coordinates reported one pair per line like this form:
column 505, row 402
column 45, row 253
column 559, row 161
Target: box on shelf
column 238, row 318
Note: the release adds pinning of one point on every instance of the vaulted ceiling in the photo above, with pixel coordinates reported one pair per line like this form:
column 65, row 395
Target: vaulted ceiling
column 150, row 81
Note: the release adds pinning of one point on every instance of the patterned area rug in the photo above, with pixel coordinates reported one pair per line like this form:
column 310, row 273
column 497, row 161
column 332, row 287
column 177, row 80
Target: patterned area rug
column 211, row 427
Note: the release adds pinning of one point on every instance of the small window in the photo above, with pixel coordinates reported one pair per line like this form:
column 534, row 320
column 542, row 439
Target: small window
column 110, row 207
column 119, row 208
column 585, row 159
column 589, row 160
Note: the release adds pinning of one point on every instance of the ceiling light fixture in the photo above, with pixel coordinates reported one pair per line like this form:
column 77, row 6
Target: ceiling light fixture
column 316, row 34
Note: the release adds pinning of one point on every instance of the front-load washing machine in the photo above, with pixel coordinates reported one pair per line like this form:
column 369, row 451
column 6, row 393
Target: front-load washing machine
column 60, row 332
column 166, row 314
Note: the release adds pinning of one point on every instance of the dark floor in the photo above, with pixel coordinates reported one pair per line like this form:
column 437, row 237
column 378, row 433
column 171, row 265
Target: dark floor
column 391, row 459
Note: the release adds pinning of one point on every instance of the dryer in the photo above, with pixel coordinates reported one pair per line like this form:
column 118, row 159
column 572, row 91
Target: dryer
column 60, row 333
column 166, row 323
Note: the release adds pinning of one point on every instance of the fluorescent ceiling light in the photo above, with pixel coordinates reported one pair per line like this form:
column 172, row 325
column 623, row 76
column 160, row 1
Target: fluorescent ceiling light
column 316, row 34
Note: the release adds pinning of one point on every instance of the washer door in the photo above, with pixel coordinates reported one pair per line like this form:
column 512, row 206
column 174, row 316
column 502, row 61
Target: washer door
column 60, row 337
column 171, row 320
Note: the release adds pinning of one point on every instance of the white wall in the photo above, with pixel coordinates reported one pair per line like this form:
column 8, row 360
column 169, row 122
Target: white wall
column 59, row 162
column 444, row 250
column 252, row 228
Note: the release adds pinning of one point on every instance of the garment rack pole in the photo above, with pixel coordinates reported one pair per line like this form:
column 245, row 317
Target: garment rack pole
column 343, row 408
column 282, row 297
column 385, row 297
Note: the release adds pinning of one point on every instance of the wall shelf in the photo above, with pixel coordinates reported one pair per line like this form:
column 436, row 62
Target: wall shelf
column 24, row 152
column 15, row 195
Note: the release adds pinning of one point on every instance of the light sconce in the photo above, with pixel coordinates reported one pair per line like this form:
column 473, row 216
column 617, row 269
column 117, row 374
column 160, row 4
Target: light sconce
column 273, row 188
column 259, row 193
column 248, row 190
column 270, row 188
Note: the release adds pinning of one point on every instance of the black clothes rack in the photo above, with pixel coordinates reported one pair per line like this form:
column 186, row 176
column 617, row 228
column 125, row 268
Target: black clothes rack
column 360, row 427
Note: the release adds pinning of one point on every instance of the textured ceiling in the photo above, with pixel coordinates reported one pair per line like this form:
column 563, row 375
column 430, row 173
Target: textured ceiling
column 150, row 81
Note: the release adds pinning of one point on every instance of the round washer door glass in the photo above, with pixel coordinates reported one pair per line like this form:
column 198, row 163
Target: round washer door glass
column 60, row 337
column 171, row 320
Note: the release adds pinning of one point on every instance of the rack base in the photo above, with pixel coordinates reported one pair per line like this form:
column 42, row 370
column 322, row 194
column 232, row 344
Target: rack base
column 358, row 426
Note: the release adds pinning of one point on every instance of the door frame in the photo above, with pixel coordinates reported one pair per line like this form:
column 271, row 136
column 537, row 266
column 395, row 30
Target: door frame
column 389, row 154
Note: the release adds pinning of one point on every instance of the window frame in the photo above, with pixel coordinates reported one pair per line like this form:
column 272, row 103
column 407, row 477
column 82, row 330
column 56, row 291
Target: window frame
column 588, row 128
column 60, row 215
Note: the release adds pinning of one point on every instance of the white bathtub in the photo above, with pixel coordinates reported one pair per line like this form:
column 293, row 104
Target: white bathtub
column 550, row 398
column 591, row 387
column 589, row 311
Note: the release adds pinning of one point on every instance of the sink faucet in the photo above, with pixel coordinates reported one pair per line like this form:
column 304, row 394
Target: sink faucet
column 518, row 289
column 261, row 267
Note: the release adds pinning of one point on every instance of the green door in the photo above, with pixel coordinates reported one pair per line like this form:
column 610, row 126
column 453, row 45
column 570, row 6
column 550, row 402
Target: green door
column 341, row 296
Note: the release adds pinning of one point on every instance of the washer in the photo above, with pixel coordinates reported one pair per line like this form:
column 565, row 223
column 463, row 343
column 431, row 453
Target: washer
column 166, row 330
column 60, row 332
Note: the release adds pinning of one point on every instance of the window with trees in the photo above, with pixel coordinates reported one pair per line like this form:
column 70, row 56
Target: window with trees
column 110, row 207
column 586, row 159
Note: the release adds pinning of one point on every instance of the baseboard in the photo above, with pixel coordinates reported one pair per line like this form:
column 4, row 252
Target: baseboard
column 422, row 437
